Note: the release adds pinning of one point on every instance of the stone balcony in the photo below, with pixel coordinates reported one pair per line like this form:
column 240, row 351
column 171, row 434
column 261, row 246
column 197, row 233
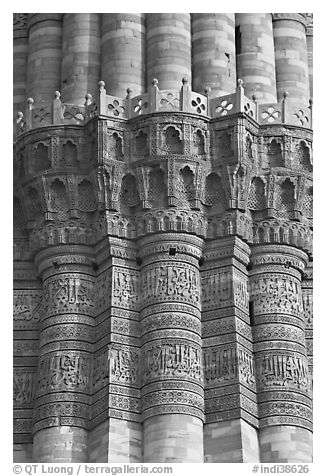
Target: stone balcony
column 156, row 101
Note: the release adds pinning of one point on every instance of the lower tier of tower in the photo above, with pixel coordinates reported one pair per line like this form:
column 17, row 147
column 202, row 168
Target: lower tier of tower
column 168, row 439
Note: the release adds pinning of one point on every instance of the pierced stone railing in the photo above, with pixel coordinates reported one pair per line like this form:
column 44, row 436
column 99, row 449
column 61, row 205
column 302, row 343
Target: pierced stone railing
column 185, row 100
column 285, row 112
column 41, row 115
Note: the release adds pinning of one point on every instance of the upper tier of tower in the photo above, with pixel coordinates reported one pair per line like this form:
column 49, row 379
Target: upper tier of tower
column 72, row 52
column 149, row 123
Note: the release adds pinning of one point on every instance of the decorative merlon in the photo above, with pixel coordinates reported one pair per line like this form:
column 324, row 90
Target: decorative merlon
column 159, row 101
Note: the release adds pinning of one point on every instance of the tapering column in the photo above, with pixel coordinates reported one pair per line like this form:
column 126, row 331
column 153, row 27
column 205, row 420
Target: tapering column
column 283, row 383
column 255, row 55
column 20, row 52
column 123, row 53
column 168, row 49
column 81, row 42
column 213, row 53
column 231, row 419
column 291, row 61
column 62, row 405
column 44, row 56
column 172, row 386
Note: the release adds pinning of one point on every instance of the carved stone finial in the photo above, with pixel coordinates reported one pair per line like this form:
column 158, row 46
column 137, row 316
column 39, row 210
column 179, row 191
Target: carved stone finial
column 129, row 92
column 208, row 90
column 285, row 94
column 310, row 102
column 101, row 84
column 185, row 80
column 155, row 82
column 30, row 102
column 254, row 97
column 57, row 95
column 20, row 121
column 240, row 83
column 88, row 99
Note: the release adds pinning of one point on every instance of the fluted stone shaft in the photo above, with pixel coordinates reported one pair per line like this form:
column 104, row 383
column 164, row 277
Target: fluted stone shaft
column 255, row 55
column 27, row 294
column 118, row 329
column 291, row 61
column 230, row 429
column 20, row 53
column 44, row 56
column 81, row 42
column 309, row 40
column 168, row 49
column 213, row 53
column 307, row 298
column 310, row 63
column 283, row 382
column 148, row 345
column 123, row 53
column 172, row 387
column 62, row 406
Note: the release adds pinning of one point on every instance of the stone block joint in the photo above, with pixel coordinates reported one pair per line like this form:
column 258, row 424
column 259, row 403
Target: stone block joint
column 163, row 201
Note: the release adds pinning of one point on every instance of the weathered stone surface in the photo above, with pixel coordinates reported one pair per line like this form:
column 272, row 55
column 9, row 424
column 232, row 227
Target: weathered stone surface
column 123, row 52
column 291, row 57
column 81, row 56
column 168, row 42
column 255, row 55
column 44, row 56
column 162, row 242
column 213, row 52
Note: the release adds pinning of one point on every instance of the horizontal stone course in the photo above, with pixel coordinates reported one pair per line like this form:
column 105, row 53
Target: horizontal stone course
column 123, row 52
column 232, row 441
column 213, row 52
column 289, row 444
column 255, row 59
column 61, row 444
column 149, row 355
column 173, row 438
column 290, row 42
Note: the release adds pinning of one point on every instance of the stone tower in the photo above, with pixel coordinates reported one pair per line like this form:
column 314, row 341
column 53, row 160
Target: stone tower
column 162, row 237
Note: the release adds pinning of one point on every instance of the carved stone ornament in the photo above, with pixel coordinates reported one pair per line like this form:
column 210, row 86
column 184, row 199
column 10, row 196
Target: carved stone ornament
column 162, row 239
column 20, row 20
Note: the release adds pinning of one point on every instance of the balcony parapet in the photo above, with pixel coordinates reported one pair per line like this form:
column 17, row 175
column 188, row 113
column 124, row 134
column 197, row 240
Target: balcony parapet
column 160, row 101
column 43, row 114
